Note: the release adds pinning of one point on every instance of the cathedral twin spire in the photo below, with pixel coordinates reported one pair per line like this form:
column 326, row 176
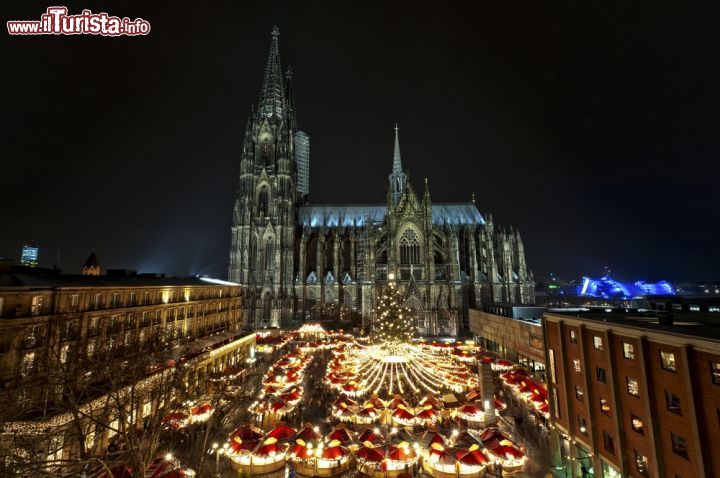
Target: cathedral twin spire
column 397, row 178
column 272, row 95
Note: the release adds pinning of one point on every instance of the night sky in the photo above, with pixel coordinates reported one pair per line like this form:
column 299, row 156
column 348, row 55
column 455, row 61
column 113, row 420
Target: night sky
column 592, row 129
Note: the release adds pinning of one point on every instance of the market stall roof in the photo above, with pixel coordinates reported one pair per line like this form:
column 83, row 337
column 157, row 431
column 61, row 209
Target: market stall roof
column 371, row 454
column 450, row 400
column 282, row 432
column 372, row 435
column 342, row 435
column 247, row 432
column 427, row 438
column 308, row 433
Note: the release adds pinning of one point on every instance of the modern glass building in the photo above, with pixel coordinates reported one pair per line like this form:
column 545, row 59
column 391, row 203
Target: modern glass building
column 29, row 255
column 302, row 159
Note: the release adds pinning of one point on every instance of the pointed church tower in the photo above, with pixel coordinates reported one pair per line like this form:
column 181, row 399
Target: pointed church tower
column 397, row 178
column 264, row 216
column 91, row 266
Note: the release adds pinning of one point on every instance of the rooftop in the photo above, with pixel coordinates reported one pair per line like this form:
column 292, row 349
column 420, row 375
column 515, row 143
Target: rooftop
column 46, row 278
column 700, row 326
column 356, row 215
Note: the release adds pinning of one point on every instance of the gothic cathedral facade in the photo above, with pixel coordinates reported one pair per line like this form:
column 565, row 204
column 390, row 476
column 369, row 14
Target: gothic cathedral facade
column 295, row 259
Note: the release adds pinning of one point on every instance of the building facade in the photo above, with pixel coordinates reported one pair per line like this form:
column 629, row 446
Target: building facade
column 293, row 258
column 513, row 332
column 59, row 332
column 634, row 396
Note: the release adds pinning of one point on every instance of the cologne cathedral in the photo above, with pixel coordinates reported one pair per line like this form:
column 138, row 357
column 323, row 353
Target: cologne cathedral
column 295, row 259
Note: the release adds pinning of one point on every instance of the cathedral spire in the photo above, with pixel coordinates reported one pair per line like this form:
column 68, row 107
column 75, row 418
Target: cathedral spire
column 397, row 164
column 290, row 98
column 397, row 177
column 272, row 95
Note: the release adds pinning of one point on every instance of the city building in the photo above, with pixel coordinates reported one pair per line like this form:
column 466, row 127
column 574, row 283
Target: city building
column 513, row 332
column 604, row 291
column 302, row 159
column 69, row 337
column 634, row 392
column 293, row 258
column 608, row 288
column 710, row 288
column 29, row 256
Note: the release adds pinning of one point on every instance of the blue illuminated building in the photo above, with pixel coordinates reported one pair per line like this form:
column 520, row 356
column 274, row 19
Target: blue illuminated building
column 608, row 288
column 29, row 257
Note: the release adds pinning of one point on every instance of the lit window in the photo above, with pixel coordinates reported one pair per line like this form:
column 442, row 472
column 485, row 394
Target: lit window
column 576, row 365
column 679, row 445
column 713, row 308
column 582, row 425
column 556, row 403
column 694, row 308
column 551, row 356
column 597, row 342
column 573, row 336
column 579, row 394
column 601, row 376
column 641, row 464
column 64, row 353
column 114, row 428
column 605, row 406
column 673, row 402
column 633, row 388
column 28, row 364
column 637, row 424
column 628, row 351
column 667, row 360
column 715, row 369
column 36, row 307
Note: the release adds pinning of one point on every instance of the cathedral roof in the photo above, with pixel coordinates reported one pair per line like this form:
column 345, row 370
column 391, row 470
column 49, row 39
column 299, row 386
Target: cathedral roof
column 348, row 215
column 344, row 215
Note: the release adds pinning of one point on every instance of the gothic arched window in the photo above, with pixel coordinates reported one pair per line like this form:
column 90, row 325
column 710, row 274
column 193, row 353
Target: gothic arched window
column 265, row 157
column 252, row 260
column 263, row 200
column 409, row 247
column 269, row 254
column 266, row 307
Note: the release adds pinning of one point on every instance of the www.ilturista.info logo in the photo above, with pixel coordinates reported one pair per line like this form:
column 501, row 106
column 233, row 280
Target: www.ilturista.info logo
column 56, row 21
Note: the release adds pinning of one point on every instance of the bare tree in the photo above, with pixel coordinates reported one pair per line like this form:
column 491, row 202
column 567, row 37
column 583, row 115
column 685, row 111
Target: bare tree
column 91, row 414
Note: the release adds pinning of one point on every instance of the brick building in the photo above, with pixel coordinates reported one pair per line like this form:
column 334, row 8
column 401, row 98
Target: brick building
column 634, row 393
column 512, row 331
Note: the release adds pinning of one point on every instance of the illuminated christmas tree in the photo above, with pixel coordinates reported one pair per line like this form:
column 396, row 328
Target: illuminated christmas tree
column 394, row 322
